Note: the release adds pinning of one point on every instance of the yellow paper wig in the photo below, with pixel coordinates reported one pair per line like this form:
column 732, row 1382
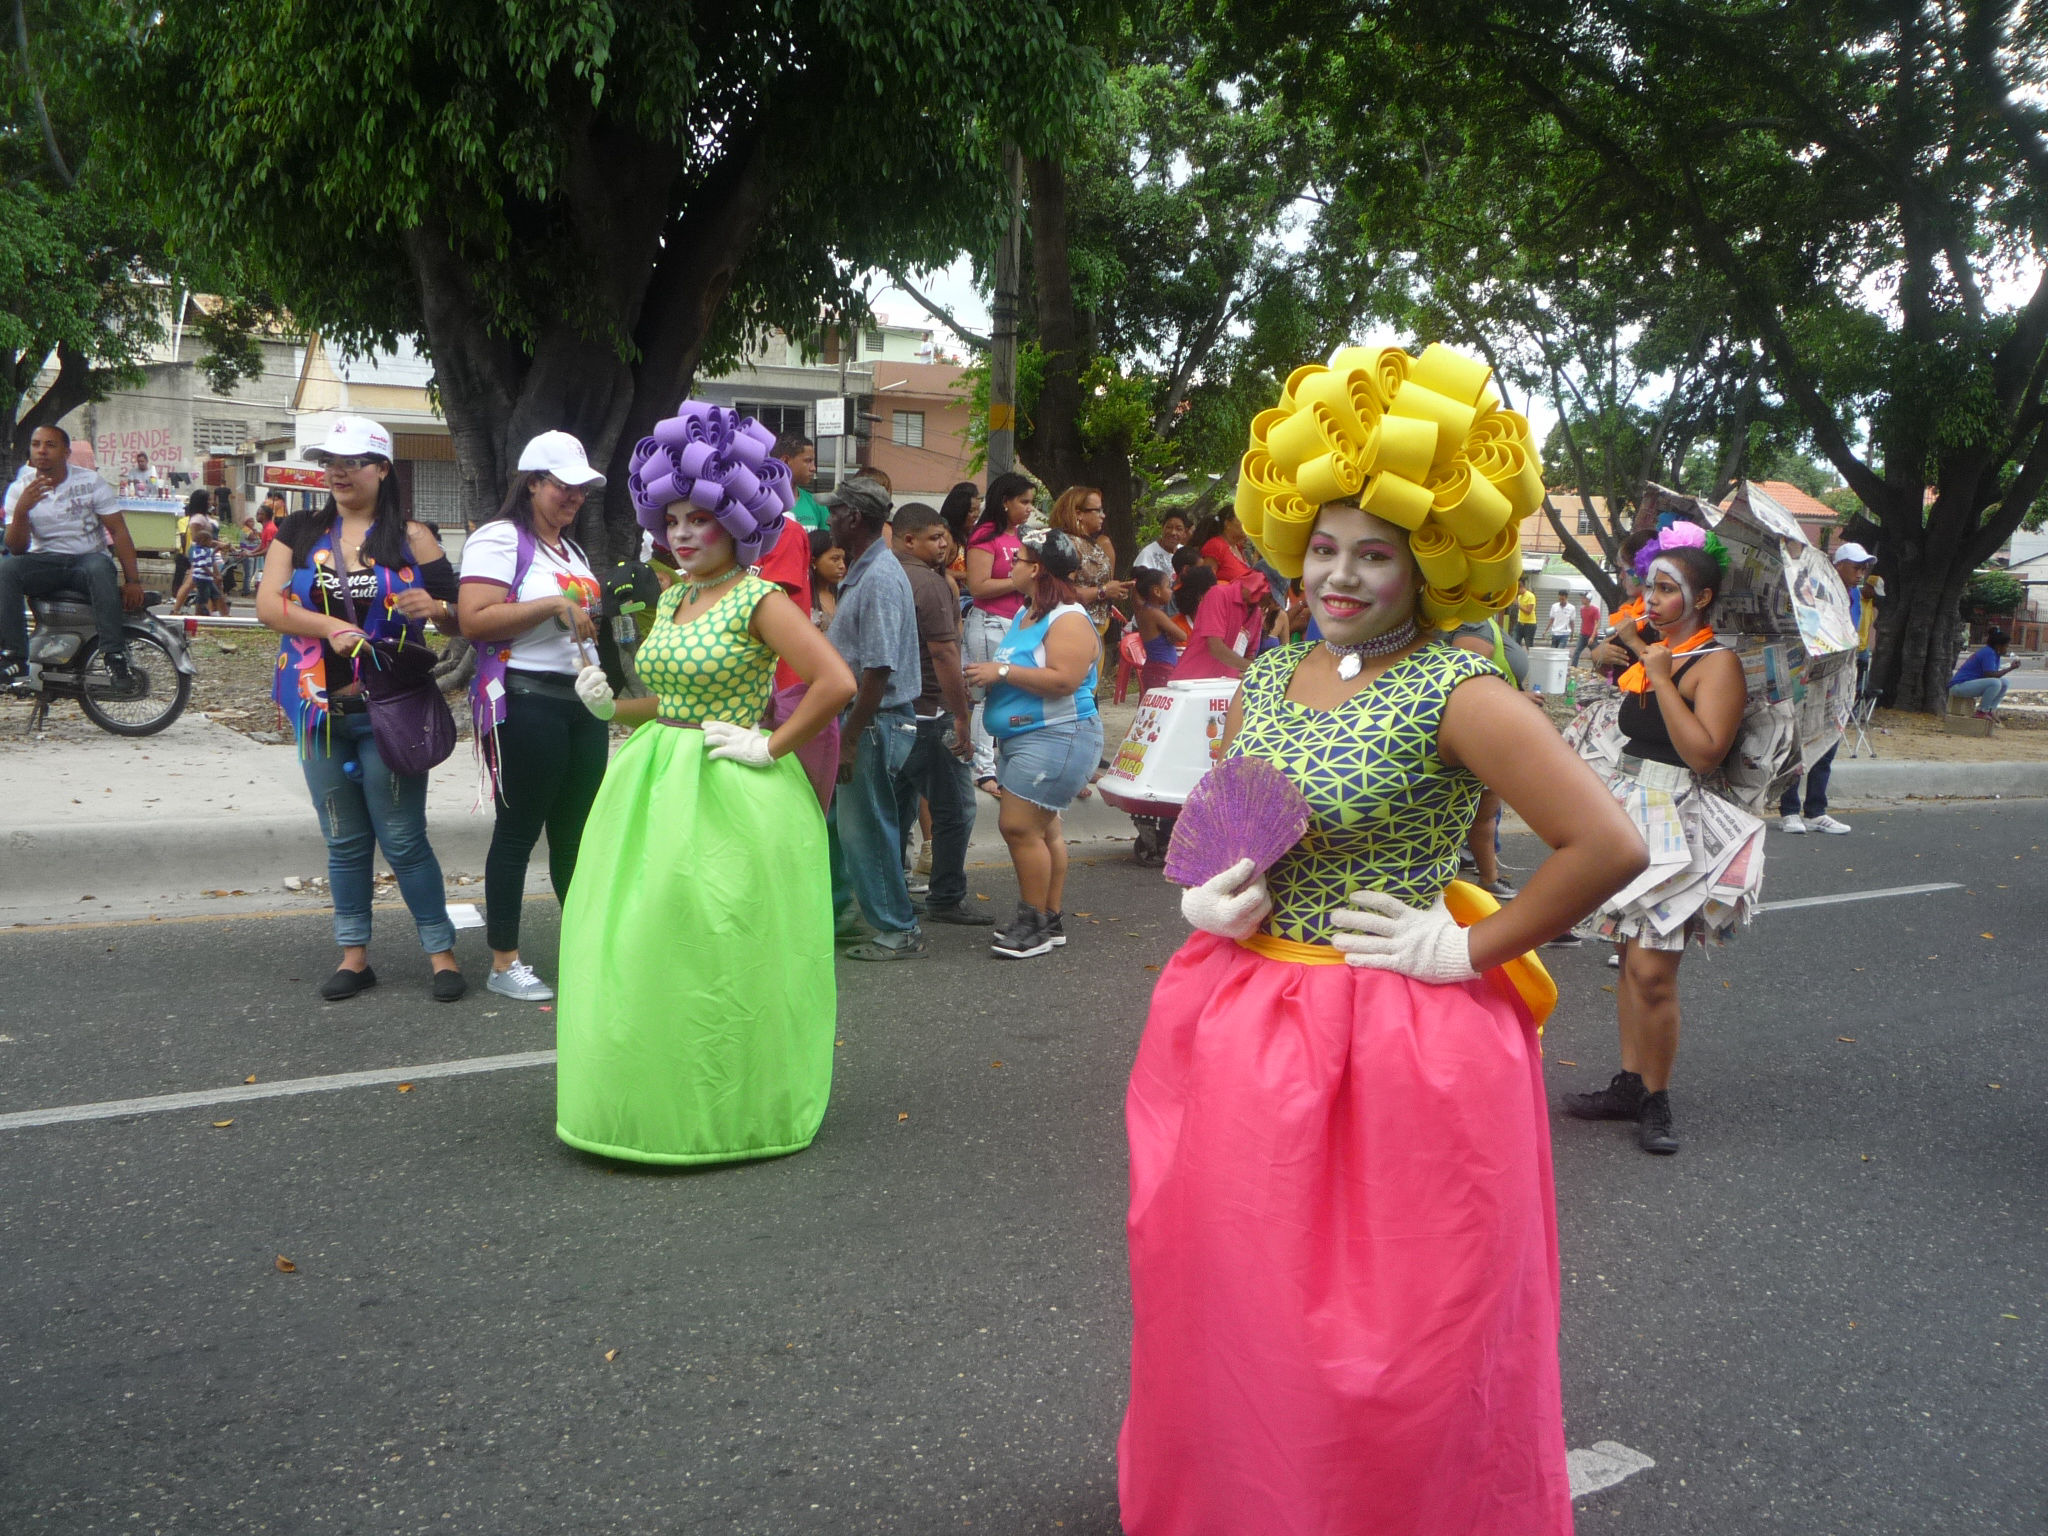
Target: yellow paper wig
column 1420, row 441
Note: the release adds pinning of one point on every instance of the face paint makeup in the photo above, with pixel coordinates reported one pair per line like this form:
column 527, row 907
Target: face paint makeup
column 1667, row 568
column 1358, row 576
column 698, row 540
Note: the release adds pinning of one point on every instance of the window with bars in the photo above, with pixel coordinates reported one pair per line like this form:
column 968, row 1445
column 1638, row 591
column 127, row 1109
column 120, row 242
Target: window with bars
column 436, row 492
column 908, row 429
column 216, row 434
column 1585, row 520
column 871, row 343
column 782, row 420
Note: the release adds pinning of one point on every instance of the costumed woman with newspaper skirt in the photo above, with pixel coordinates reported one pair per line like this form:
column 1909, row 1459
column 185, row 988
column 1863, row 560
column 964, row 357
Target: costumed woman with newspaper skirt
column 1682, row 705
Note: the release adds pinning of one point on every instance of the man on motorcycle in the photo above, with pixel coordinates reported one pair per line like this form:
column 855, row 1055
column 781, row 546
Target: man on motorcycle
column 59, row 523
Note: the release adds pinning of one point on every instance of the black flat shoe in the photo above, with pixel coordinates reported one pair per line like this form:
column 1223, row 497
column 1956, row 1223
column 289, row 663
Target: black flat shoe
column 959, row 917
column 345, row 984
column 449, row 986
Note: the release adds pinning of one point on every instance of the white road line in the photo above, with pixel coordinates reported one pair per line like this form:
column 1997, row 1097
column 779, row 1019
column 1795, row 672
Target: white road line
column 242, row 1093
column 1835, row 901
column 1606, row 1464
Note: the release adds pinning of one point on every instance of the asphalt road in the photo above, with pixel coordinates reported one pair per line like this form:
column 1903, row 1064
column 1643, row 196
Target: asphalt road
column 1825, row 1315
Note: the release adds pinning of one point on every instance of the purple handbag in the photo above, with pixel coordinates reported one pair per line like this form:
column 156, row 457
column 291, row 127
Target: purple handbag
column 411, row 721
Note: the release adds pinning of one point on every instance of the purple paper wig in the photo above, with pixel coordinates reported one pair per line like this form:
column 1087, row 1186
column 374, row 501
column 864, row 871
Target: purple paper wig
column 717, row 460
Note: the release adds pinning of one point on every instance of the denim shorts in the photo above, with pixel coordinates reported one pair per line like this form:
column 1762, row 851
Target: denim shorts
column 1051, row 765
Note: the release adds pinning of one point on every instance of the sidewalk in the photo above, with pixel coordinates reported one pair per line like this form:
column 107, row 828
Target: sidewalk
column 201, row 808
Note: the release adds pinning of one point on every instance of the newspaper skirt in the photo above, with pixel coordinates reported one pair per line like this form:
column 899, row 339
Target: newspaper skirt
column 1706, row 870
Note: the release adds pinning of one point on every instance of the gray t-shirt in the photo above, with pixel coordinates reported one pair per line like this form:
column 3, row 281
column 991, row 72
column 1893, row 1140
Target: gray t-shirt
column 875, row 624
column 67, row 520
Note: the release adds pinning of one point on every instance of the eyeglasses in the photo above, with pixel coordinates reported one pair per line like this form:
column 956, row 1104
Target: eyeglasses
column 563, row 486
column 348, row 464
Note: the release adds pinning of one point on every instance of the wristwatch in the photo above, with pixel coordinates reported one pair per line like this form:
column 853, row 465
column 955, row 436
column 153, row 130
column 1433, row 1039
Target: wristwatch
column 1003, row 672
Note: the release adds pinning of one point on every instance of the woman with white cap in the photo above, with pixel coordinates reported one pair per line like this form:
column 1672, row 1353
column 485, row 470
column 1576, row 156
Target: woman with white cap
column 351, row 586
column 528, row 601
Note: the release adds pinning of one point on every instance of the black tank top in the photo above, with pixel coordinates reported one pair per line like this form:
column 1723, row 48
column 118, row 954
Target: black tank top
column 1641, row 718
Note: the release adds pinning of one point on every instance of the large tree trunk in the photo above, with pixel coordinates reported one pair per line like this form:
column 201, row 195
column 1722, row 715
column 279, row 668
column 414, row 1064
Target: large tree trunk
column 656, row 279
column 1053, row 451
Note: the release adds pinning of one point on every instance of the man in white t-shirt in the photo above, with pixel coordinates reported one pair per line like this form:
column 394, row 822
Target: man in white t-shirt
column 60, row 520
column 1563, row 616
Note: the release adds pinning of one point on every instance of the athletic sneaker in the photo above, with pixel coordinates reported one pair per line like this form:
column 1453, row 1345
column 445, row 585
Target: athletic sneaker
column 519, row 982
column 1792, row 824
column 1029, row 933
column 1653, row 1124
column 1056, row 929
column 1622, row 1099
column 1826, row 824
column 1564, row 941
column 1500, row 890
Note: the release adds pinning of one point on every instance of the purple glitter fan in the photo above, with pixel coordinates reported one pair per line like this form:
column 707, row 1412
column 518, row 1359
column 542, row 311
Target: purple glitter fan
column 1243, row 808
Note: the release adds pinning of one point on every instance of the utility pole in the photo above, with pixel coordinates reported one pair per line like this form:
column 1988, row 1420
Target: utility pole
column 1002, row 353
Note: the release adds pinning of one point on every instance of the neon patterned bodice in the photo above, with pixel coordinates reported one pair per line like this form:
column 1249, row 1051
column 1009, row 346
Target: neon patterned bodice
column 711, row 668
column 1385, row 814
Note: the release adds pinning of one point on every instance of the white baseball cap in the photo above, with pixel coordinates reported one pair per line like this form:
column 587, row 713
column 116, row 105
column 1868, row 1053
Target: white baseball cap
column 1852, row 553
column 561, row 455
column 351, row 437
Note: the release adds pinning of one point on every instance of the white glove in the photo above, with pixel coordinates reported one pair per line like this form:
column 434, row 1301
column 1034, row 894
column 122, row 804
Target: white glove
column 1232, row 905
column 1389, row 935
column 595, row 691
column 738, row 743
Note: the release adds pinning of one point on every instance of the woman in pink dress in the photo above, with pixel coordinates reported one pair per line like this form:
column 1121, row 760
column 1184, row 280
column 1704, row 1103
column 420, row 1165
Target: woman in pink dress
column 1343, row 1247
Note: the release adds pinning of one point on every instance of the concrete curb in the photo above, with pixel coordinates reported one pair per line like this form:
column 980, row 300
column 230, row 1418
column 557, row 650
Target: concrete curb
column 123, row 861
column 51, row 866
column 1876, row 781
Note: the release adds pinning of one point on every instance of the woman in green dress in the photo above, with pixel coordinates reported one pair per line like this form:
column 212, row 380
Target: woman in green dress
column 697, row 1000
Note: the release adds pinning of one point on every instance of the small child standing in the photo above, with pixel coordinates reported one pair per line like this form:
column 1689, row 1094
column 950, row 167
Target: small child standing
column 202, row 577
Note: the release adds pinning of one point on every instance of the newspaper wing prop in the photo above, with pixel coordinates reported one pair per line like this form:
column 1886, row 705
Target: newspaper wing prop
column 1786, row 615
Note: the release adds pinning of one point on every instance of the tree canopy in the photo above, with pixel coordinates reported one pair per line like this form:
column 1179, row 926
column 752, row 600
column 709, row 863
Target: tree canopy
column 574, row 204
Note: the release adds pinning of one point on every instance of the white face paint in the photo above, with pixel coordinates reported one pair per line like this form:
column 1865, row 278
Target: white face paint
column 1668, row 596
column 698, row 540
column 1358, row 576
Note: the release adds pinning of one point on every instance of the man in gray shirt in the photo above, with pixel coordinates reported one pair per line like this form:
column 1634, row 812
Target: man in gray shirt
column 874, row 630
column 59, row 521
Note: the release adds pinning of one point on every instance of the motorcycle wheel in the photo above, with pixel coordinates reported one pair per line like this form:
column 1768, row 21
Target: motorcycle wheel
column 163, row 700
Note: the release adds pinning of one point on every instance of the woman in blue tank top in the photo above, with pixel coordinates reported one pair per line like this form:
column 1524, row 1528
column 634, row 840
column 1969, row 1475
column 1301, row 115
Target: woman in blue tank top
column 1040, row 708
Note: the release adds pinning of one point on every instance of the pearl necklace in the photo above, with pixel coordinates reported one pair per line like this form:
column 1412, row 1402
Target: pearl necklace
column 1351, row 659
column 692, row 593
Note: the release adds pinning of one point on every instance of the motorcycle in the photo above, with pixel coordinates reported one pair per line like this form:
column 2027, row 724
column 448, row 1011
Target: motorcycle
column 65, row 662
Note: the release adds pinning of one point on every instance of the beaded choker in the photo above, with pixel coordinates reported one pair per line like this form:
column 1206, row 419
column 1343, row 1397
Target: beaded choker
column 1351, row 659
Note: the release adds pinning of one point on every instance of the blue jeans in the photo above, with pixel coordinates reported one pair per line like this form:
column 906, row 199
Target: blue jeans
column 933, row 772
column 1816, row 787
column 1987, row 691
column 358, row 815
column 866, row 838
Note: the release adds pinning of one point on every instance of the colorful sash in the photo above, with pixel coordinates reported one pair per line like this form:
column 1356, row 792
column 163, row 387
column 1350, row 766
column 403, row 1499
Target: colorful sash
column 487, row 687
column 300, row 688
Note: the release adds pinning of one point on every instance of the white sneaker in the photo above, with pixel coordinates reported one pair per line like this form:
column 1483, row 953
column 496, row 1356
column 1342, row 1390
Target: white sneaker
column 1827, row 824
column 518, row 982
column 1795, row 824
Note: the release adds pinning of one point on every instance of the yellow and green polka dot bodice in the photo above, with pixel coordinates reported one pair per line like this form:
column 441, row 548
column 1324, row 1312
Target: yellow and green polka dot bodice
column 711, row 668
column 1385, row 813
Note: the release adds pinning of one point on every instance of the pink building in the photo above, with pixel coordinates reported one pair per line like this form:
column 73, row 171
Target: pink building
column 917, row 428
